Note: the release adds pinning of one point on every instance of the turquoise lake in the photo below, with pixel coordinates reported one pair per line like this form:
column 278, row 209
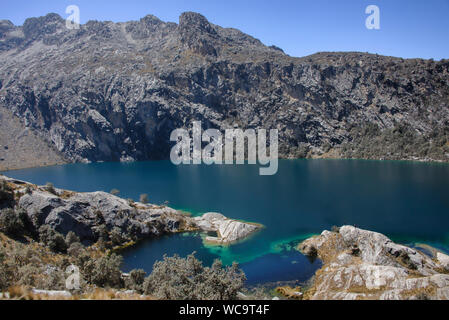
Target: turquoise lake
column 407, row 201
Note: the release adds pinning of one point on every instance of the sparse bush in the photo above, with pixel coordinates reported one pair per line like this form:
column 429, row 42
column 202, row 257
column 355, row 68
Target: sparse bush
column 27, row 275
column 115, row 192
column 10, row 223
column 6, row 194
column 187, row 279
column 50, row 188
column 102, row 233
column 75, row 249
column 54, row 279
column 71, row 238
column 335, row 229
column 4, row 279
column 144, row 198
column 257, row 293
column 105, row 271
column 136, row 280
column 52, row 239
column 116, row 237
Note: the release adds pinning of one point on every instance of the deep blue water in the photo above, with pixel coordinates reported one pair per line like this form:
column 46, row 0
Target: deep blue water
column 407, row 201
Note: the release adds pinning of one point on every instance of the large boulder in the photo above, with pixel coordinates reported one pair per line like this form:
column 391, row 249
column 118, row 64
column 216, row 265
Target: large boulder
column 85, row 213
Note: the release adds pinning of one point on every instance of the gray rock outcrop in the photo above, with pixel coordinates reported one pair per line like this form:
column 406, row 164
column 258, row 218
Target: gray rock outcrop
column 86, row 213
column 360, row 264
column 89, row 214
column 228, row 230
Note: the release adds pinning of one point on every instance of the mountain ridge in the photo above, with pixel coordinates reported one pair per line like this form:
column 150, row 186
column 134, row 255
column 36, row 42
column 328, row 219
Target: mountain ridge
column 115, row 91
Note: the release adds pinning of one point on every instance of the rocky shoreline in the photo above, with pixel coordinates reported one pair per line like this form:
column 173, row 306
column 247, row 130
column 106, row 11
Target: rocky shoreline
column 88, row 215
column 357, row 264
column 365, row 265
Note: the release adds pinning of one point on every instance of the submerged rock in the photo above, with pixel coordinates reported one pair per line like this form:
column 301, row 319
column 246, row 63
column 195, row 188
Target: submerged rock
column 228, row 230
column 360, row 264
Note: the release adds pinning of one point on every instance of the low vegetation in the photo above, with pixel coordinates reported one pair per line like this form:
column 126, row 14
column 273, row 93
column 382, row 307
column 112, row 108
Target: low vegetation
column 41, row 262
column 38, row 258
column 176, row 278
column 398, row 143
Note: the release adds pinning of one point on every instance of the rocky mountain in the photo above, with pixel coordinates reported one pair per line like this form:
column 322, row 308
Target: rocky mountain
column 115, row 91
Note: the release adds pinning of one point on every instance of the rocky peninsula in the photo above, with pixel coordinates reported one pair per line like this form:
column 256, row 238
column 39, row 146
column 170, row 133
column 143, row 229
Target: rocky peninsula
column 365, row 265
column 88, row 215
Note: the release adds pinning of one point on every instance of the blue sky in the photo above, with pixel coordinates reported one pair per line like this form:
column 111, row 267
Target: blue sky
column 409, row 28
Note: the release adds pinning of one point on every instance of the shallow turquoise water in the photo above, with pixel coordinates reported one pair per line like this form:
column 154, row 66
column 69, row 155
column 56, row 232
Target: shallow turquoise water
column 407, row 201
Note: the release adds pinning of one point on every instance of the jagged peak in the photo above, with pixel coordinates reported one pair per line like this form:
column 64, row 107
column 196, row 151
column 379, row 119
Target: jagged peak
column 48, row 24
column 193, row 20
column 6, row 23
column 48, row 18
column 150, row 19
column 5, row 26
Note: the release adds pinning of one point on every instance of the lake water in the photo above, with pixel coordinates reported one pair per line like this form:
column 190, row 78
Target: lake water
column 407, row 201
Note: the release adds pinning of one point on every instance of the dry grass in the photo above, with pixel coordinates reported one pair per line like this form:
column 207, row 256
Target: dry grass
column 422, row 293
column 290, row 293
column 25, row 293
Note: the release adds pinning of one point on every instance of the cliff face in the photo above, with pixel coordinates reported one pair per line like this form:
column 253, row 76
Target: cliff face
column 115, row 91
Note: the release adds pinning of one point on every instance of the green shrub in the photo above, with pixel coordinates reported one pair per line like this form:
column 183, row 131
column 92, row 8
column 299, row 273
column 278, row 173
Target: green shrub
column 27, row 275
column 75, row 249
column 116, row 237
column 52, row 239
column 11, row 223
column 102, row 233
column 4, row 279
column 187, row 279
column 71, row 238
column 6, row 194
column 105, row 271
column 136, row 280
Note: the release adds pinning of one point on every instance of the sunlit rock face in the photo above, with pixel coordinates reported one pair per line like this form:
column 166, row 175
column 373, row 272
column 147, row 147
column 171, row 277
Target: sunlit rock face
column 228, row 231
column 360, row 264
column 115, row 91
